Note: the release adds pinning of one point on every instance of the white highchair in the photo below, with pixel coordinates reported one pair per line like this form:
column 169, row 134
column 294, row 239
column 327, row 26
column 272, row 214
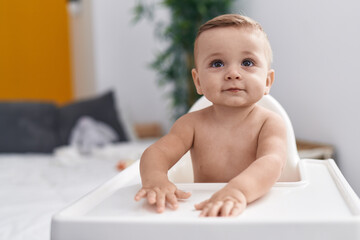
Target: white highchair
column 312, row 200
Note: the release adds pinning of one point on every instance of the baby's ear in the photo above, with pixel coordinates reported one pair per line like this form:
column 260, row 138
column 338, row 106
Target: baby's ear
column 196, row 80
column 269, row 81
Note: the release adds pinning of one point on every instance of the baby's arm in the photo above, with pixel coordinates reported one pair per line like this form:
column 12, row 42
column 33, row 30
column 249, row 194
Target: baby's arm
column 255, row 180
column 158, row 159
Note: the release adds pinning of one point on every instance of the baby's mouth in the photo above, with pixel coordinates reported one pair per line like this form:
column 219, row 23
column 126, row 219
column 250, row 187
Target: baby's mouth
column 234, row 90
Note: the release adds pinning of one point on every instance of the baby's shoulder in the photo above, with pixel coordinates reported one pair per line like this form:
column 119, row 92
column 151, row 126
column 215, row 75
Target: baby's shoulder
column 266, row 114
column 269, row 118
column 194, row 117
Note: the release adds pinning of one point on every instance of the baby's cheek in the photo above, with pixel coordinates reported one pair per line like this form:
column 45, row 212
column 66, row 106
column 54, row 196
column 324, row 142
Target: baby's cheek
column 258, row 88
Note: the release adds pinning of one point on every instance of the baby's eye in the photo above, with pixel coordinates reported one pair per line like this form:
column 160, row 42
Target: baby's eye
column 217, row 64
column 247, row 63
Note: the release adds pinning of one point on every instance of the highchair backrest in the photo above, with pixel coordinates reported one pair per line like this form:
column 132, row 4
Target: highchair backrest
column 182, row 171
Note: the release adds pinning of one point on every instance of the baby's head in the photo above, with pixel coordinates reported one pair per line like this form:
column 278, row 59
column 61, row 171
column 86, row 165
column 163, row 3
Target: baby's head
column 238, row 21
column 232, row 61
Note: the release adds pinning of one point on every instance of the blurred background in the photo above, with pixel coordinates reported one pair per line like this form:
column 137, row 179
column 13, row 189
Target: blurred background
column 64, row 51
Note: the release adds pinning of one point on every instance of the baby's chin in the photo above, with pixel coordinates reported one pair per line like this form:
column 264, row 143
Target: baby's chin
column 235, row 104
column 236, row 99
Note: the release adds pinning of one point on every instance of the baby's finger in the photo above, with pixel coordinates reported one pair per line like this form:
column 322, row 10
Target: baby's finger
column 205, row 210
column 181, row 194
column 237, row 209
column 215, row 209
column 226, row 208
column 200, row 206
column 160, row 202
column 172, row 200
column 140, row 194
column 151, row 196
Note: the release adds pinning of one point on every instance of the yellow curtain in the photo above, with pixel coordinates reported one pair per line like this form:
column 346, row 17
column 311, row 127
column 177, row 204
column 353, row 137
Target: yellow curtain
column 34, row 51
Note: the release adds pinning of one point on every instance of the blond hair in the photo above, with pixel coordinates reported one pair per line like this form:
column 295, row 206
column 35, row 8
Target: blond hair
column 235, row 20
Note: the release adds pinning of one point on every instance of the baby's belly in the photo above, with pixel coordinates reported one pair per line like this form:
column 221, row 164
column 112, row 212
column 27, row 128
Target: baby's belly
column 218, row 169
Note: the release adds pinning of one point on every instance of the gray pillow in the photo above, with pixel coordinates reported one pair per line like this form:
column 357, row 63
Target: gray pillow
column 101, row 109
column 28, row 127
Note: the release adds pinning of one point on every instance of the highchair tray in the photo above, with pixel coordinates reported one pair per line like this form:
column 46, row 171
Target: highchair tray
column 320, row 206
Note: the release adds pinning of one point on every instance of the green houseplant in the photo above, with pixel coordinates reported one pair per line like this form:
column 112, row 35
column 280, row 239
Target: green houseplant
column 175, row 62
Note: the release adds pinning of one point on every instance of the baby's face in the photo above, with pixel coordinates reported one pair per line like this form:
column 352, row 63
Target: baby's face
column 232, row 67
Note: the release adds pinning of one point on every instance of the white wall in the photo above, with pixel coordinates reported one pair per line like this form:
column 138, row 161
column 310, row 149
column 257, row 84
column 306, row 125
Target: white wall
column 80, row 26
column 112, row 53
column 122, row 54
column 317, row 61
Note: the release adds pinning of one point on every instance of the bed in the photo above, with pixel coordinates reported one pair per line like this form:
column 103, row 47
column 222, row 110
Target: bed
column 35, row 186
column 42, row 170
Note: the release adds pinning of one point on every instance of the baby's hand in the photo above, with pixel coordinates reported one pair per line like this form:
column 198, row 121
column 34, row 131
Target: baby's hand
column 227, row 202
column 160, row 194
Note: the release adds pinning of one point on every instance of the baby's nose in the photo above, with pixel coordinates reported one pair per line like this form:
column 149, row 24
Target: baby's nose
column 229, row 77
column 233, row 74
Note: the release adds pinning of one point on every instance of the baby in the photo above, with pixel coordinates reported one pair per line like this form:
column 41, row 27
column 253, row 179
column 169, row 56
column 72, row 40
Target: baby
column 234, row 140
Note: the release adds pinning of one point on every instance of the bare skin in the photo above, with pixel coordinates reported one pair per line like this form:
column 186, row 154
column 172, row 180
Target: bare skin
column 233, row 141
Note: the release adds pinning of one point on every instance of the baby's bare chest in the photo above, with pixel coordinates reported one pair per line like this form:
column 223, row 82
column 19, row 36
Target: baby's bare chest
column 220, row 154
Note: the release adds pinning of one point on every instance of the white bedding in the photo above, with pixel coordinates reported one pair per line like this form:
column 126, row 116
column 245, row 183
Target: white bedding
column 35, row 186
